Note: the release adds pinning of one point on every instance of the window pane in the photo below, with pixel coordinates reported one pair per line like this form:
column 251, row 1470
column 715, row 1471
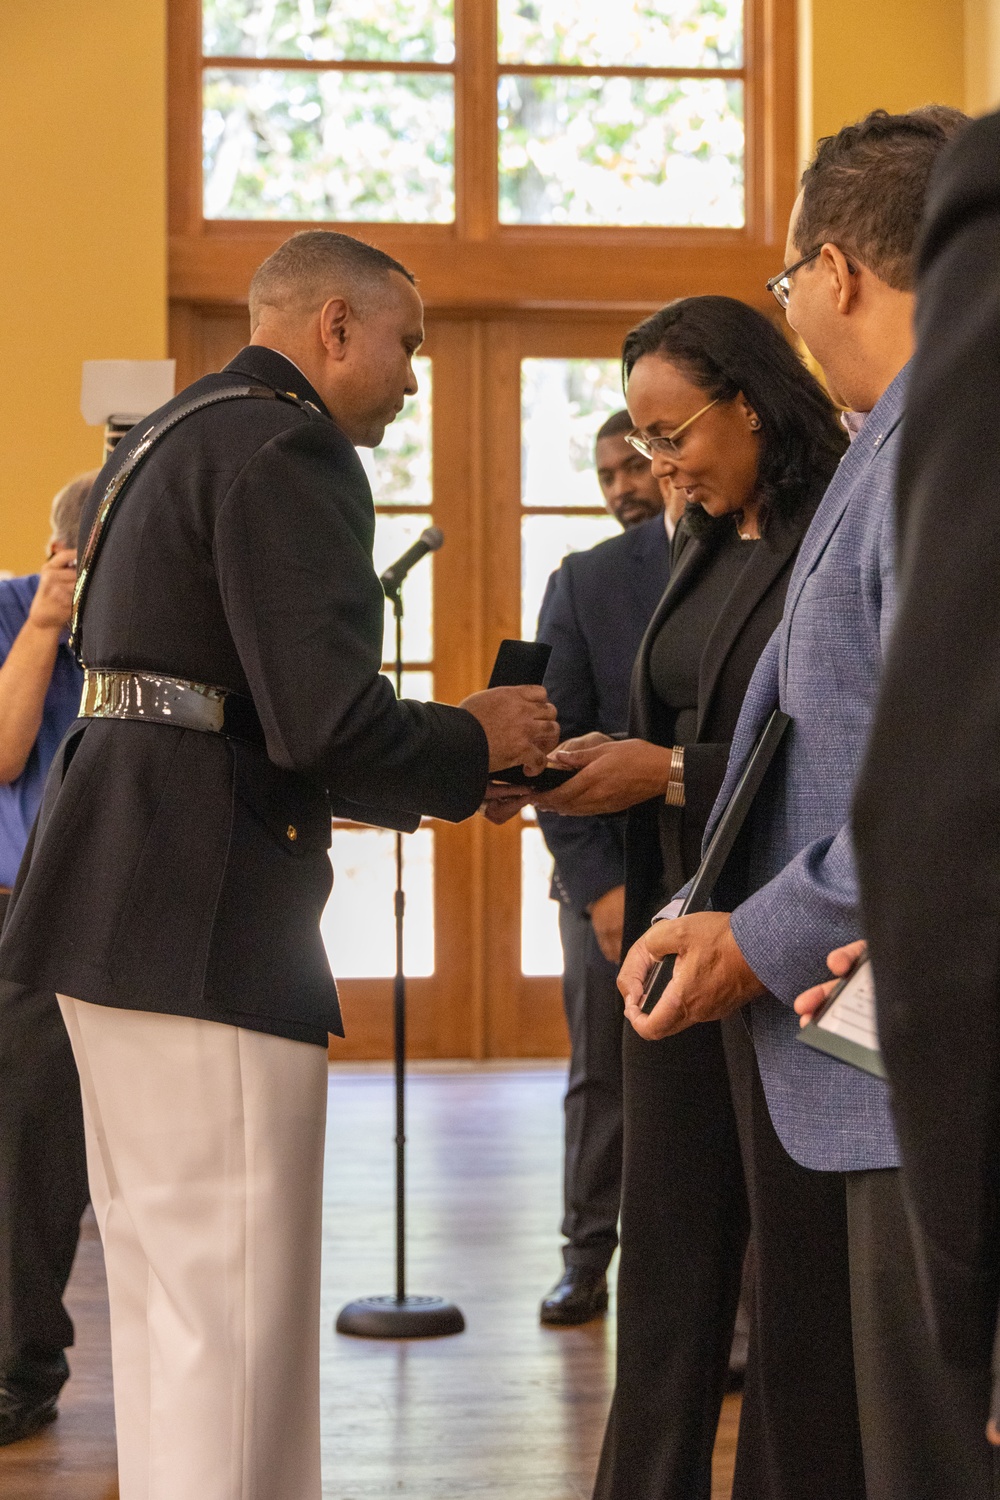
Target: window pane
column 399, row 469
column 419, row 685
column 541, row 950
column 393, row 534
column 545, row 541
column 563, row 403
column 348, row 147
column 358, row 925
column 394, row 30
column 634, row 33
column 623, row 151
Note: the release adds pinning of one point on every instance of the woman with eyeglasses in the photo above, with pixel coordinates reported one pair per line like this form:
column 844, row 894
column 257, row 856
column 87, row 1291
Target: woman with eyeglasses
column 729, row 414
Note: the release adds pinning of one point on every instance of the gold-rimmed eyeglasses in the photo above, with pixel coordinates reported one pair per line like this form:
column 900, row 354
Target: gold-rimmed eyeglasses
column 647, row 446
column 780, row 286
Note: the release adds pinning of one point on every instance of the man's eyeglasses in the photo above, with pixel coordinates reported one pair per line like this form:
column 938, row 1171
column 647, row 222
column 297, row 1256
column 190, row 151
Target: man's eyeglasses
column 647, row 446
column 781, row 286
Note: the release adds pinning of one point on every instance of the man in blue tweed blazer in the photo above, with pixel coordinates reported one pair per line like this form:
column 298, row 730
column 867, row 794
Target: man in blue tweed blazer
column 792, row 890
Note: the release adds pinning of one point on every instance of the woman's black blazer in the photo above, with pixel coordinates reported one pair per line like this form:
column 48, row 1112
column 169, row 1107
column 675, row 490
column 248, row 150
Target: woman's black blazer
column 663, row 844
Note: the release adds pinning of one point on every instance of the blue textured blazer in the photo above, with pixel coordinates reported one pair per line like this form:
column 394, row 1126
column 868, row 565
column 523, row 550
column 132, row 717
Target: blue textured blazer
column 594, row 615
column 822, row 666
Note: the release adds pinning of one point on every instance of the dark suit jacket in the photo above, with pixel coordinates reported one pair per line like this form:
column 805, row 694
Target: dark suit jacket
column 162, row 873
column 596, row 607
column 927, row 814
column 745, row 622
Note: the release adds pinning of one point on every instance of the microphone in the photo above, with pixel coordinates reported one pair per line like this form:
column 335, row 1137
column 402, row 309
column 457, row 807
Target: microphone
column 428, row 541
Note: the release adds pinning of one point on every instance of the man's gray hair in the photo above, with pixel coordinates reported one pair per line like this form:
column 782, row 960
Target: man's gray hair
column 317, row 264
column 67, row 508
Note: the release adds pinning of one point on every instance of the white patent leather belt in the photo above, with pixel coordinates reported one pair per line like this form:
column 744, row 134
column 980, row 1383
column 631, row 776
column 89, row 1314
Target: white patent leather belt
column 151, row 698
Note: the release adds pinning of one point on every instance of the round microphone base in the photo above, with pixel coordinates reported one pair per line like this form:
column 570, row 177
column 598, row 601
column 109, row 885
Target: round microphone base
column 390, row 1318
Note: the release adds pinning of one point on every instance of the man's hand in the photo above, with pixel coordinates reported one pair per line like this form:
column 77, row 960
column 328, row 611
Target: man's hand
column 711, row 979
column 614, row 775
column 838, row 962
column 27, row 671
column 607, row 917
column 504, row 802
column 52, row 606
column 520, row 723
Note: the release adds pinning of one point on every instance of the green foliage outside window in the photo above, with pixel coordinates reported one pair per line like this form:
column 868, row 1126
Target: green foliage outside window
column 337, row 146
column 354, row 146
column 376, row 30
column 624, row 33
column 621, row 151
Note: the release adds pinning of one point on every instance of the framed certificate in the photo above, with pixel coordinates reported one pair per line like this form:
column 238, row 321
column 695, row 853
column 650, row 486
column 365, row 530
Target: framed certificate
column 845, row 1025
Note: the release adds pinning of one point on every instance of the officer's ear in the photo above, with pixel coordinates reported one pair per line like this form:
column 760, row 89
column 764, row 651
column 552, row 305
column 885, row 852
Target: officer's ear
column 334, row 326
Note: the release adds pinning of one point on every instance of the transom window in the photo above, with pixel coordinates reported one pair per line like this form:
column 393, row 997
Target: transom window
column 608, row 112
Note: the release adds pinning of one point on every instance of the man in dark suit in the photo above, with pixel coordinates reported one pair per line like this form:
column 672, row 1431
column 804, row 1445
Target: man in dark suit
column 230, row 625
column 596, row 607
column 927, row 811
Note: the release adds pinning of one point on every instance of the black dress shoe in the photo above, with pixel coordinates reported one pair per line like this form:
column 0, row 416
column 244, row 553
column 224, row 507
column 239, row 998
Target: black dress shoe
column 28, row 1396
column 23, row 1414
column 579, row 1296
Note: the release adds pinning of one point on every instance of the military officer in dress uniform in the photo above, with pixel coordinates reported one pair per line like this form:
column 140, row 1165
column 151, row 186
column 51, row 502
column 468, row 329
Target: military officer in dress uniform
column 230, row 626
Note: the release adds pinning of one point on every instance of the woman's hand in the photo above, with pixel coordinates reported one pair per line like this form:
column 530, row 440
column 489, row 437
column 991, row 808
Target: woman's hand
column 614, row 775
column 586, row 741
column 838, row 962
column 711, row 977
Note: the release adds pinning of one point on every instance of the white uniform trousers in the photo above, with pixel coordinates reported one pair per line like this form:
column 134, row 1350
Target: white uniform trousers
column 205, row 1155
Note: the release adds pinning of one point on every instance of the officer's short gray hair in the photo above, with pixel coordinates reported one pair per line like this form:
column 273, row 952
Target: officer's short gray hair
column 317, row 264
column 68, row 506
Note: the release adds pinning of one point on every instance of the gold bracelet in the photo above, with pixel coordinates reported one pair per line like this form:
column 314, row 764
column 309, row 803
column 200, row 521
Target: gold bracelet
column 674, row 796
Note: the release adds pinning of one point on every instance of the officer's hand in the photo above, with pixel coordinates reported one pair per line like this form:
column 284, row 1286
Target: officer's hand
column 520, row 724
column 52, row 606
column 504, row 802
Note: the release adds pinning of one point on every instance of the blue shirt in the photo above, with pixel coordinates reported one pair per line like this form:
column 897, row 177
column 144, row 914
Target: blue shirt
column 19, row 799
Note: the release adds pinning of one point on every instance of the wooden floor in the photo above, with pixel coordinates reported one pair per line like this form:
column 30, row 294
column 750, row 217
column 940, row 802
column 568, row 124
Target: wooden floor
column 508, row 1409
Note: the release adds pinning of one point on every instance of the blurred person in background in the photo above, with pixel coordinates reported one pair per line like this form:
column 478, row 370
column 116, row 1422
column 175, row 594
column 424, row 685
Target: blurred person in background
column 43, row 1171
column 596, row 607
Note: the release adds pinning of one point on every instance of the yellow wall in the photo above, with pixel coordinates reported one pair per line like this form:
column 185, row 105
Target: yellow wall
column 982, row 55
column 857, row 55
column 82, row 191
column 83, row 238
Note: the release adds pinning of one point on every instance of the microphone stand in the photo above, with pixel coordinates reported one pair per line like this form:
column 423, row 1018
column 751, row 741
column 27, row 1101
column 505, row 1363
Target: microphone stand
column 402, row 1316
